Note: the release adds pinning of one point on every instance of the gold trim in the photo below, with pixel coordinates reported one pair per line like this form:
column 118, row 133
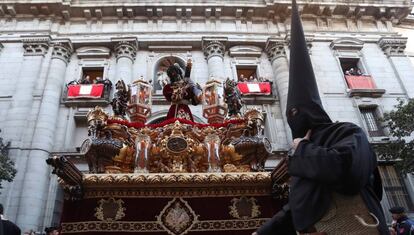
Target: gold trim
column 256, row 179
column 170, row 192
column 154, row 226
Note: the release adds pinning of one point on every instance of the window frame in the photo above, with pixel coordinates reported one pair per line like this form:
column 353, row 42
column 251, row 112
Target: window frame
column 368, row 124
column 393, row 184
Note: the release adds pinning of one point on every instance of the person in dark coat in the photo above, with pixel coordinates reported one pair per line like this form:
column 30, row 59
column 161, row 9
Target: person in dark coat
column 402, row 224
column 335, row 186
column 7, row 227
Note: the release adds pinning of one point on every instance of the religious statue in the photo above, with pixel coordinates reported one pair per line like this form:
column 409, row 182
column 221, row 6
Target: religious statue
column 181, row 91
column 120, row 101
column 232, row 97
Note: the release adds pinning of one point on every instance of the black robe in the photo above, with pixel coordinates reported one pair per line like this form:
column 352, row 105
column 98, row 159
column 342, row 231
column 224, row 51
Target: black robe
column 9, row 228
column 337, row 158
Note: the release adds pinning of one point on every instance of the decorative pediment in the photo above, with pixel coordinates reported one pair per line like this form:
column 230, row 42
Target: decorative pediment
column 245, row 51
column 93, row 52
column 347, row 43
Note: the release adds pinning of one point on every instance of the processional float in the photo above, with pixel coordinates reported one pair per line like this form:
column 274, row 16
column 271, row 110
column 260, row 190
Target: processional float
column 177, row 176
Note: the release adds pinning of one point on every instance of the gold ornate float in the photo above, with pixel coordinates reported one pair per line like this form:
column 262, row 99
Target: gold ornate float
column 176, row 177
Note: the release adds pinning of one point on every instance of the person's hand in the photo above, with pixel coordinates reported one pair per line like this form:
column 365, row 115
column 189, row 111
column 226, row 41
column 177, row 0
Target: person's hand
column 255, row 233
column 298, row 140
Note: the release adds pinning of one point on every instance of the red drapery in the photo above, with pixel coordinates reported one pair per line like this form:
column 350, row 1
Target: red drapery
column 85, row 91
column 172, row 120
column 360, row 82
column 255, row 88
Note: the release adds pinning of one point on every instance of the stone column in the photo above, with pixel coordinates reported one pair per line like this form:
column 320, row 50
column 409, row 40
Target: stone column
column 214, row 52
column 18, row 116
column 35, row 48
column 125, row 52
column 36, row 181
column 393, row 48
column 276, row 51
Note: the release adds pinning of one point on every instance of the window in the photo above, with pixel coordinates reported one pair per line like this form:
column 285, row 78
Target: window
column 91, row 75
column 246, row 73
column 80, row 134
column 394, row 187
column 352, row 66
column 160, row 76
column 371, row 119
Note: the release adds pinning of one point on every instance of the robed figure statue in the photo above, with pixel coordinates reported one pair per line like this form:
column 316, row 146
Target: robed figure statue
column 181, row 91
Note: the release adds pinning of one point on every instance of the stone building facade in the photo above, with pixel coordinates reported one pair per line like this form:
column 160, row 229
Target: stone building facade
column 46, row 44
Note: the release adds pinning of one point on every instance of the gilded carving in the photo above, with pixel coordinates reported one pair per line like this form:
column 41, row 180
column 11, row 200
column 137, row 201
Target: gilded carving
column 244, row 208
column 247, row 178
column 154, row 226
column 110, row 210
column 177, row 217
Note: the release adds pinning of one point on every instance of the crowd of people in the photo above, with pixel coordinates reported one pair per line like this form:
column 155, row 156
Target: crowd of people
column 88, row 80
column 242, row 78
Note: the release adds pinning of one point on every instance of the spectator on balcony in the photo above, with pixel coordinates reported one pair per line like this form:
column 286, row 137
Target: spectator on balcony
column 85, row 80
column 73, row 82
column 350, row 72
column 354, row 72
column 242, row 78
column 99, row 80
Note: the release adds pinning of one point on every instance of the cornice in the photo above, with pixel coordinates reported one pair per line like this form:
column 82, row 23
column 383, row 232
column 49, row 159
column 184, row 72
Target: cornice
column 246, row 10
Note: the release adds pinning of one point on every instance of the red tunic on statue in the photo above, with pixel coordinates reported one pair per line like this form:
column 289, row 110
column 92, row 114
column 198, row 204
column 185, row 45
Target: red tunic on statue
column 179, row 108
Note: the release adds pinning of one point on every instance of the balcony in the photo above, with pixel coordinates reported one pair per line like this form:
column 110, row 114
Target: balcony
column 87, row 95
column 256, row 92
column 363, row 86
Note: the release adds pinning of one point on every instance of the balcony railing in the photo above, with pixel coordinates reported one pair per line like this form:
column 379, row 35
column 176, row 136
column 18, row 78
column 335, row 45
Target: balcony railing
column 362, row 85
column 87, row 95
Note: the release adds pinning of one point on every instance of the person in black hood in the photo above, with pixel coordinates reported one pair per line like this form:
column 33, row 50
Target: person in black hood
column 335, row 187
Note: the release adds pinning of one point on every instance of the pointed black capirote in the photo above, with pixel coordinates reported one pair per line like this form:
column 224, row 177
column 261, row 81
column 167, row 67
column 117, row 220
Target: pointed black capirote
column 304, row 107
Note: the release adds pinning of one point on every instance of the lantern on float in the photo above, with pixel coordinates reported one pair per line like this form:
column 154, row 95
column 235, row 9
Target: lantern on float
column 139, row 108
column 212, row 143
column 213, row 108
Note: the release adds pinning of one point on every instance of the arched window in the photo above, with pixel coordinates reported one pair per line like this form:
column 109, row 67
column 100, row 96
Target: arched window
column 160, row 75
